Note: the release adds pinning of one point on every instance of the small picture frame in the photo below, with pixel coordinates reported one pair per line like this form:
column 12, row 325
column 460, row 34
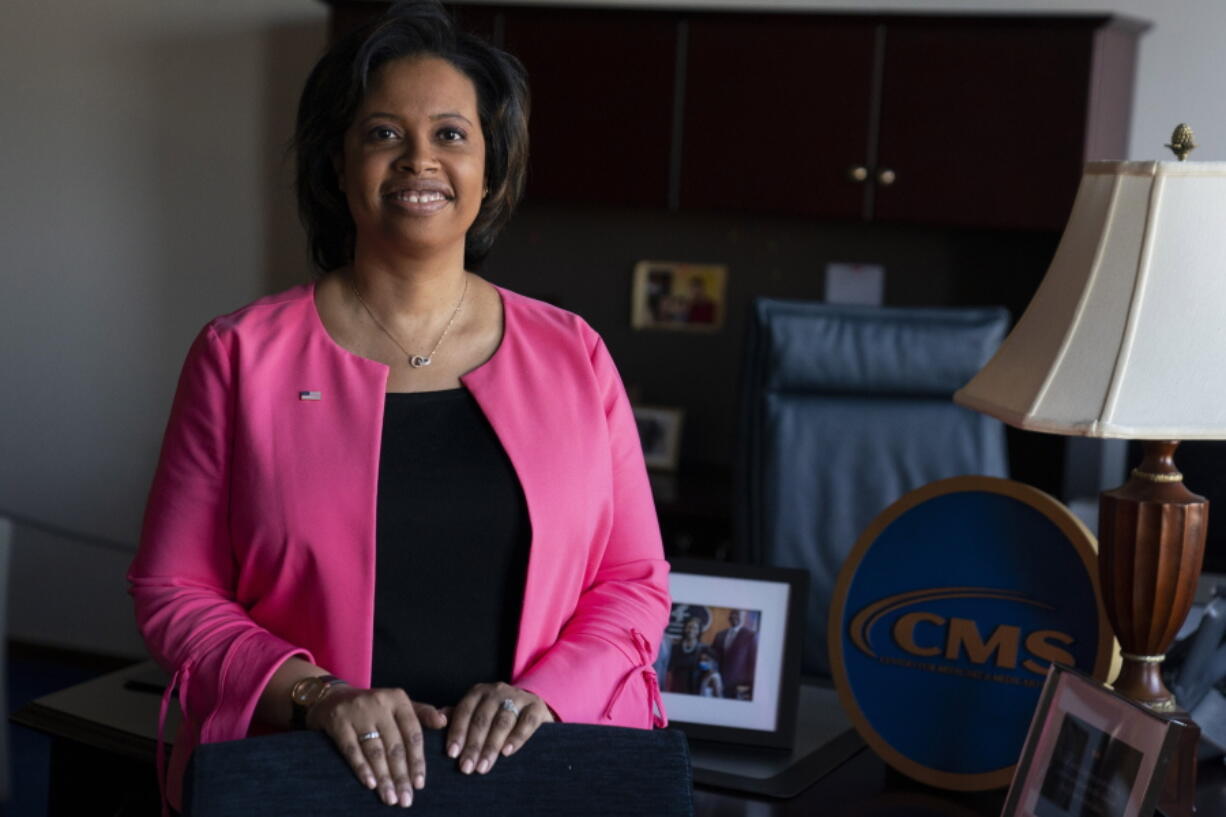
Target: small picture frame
column 1090, row 751
column 660, row 433
column 677, row 296
column 729, row 663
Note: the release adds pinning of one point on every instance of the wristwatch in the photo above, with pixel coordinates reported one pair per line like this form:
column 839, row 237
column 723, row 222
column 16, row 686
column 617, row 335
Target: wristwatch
column 307, row 692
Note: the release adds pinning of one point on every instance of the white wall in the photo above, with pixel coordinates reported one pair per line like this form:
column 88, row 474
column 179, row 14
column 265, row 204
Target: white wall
column 142, row 192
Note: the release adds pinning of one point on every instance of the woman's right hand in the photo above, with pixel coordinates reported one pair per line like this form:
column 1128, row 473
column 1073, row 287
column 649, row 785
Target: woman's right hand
column 378, row 731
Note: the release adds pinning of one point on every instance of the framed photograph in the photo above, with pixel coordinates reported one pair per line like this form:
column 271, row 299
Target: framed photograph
column 1090, row 751
column 672, row 295
column 660, row 433
column 729, row 664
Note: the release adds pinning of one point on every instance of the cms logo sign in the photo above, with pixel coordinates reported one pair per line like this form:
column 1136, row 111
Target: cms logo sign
column 997, row 629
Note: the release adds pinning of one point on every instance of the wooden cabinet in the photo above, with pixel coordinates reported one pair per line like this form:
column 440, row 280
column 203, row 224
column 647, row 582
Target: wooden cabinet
column 602, row 103
column 777, row 111
column 937, row 120
column 987, row 123
column 980, row 122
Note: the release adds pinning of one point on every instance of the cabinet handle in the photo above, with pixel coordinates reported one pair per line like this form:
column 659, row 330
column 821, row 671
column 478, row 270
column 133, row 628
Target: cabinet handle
column 857, row 173
column 886, row 177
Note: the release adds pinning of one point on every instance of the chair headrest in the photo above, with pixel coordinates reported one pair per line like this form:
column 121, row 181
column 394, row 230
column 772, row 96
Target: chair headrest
column 883, row 351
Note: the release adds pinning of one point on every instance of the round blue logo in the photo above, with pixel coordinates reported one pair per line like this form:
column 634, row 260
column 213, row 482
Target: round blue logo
column 948, row 613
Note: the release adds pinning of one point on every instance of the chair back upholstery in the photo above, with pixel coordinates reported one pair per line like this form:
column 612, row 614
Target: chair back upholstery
column 565, row 769
column 845, row 409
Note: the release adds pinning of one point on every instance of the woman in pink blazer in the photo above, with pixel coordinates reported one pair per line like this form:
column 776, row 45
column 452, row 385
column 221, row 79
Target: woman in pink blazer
column 400, row 497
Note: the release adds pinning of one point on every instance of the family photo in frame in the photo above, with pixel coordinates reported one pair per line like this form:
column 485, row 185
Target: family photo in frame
column 678, row 296
column 715, row 654
column 729, row 664
column 659, row 430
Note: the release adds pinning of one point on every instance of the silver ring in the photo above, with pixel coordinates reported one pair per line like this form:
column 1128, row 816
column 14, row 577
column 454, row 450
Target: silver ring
column 371, row 735
column 508, row 705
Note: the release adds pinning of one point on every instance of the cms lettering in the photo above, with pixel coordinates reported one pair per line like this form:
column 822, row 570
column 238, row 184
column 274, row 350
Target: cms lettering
column 930, row 635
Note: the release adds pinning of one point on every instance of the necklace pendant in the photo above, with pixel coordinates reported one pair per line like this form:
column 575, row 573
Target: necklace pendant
column 418, row 361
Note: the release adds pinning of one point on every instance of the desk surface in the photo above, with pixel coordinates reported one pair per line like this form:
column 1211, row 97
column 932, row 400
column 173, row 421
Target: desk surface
column 104, row 714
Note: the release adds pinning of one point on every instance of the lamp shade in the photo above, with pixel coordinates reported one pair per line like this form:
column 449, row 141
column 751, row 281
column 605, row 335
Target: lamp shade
column 1126, row 336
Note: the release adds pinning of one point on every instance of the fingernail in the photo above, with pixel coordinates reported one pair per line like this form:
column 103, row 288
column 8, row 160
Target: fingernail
column 420, row 781
column 506, row 750
column 453, row 750
column 467, row 765
column 389, row 795
column 483, row 766
column 370, row 782
column 406, row 797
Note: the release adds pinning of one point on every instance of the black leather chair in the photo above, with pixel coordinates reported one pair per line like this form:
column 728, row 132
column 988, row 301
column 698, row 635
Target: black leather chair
column 565, row 769
column 845, row 409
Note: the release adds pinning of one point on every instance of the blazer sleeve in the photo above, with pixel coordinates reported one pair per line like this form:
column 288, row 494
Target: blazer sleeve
column 600, row 668
column 183, row 577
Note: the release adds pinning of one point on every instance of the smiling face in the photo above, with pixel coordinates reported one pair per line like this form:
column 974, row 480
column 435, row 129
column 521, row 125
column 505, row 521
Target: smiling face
column 413, row 163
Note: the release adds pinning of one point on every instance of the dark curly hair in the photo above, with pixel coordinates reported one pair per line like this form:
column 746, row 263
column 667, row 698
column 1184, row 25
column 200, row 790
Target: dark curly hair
column 335, row 90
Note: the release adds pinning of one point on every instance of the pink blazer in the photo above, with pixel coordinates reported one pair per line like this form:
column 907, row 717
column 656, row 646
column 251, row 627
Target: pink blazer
column 259, row 536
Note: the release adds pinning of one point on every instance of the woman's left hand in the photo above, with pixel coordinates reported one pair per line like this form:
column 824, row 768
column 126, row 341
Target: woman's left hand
column 493, row 720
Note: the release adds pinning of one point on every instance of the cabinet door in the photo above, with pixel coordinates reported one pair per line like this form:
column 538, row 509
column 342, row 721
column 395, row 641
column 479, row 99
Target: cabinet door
column 482, row 21
column 983, row 123
column 349, row 14
column 602, row 102
column 776, row 113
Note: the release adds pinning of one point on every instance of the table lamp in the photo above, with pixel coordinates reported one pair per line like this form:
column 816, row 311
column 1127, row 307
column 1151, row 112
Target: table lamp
column 1126, row 338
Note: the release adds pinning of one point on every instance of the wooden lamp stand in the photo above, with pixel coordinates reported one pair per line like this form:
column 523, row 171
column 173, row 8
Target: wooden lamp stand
column 1151, row 545
column 1097, row 354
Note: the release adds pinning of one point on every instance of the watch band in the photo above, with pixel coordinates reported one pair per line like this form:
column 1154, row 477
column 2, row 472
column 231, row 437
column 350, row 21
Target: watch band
column 307, row 692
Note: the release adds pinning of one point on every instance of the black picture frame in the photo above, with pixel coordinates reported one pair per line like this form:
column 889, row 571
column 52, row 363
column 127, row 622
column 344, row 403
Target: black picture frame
column 1090, row 750
column 770, row 599
column 660, row 433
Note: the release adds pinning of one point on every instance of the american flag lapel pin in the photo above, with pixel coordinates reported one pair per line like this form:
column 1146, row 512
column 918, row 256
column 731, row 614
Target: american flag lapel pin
column 310, row 395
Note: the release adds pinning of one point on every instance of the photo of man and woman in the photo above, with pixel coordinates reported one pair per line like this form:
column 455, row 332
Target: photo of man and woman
column 679, row 296
column 709, row 651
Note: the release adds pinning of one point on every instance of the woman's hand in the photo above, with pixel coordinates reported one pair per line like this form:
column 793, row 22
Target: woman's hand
column 379, row 733
column 493, row 720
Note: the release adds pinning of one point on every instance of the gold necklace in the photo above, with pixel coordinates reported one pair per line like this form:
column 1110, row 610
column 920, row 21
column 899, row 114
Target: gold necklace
column 416, row 361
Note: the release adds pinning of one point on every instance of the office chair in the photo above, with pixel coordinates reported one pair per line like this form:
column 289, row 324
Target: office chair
column 565, row 769
column 845, row 409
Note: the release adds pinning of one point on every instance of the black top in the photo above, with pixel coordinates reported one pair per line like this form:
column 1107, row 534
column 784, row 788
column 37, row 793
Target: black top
column 452, row 542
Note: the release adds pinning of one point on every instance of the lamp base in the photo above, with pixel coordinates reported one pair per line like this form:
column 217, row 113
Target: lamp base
column 1150, row 548
column 1151, row 544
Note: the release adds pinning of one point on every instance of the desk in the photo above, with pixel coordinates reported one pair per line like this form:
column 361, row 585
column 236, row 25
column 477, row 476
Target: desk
column 104, row 737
